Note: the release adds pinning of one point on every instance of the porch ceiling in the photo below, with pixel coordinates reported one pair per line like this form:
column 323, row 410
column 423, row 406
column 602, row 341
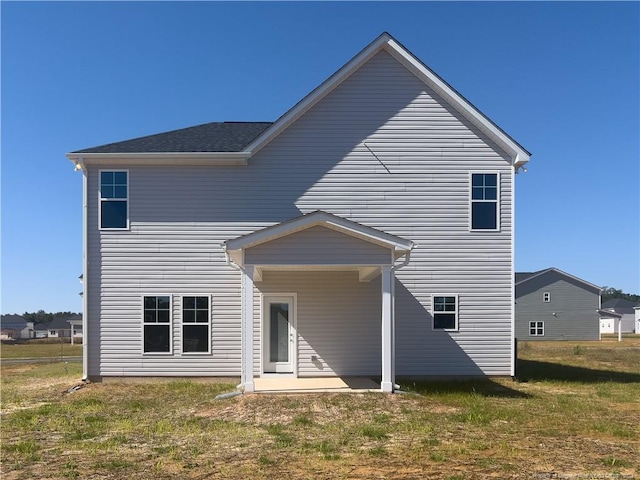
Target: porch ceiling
column 366, row 273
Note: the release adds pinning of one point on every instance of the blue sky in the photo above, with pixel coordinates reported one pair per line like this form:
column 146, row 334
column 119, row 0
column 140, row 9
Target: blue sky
column 561, row 78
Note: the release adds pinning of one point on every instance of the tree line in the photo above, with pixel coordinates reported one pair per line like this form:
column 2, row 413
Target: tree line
column 44, row 317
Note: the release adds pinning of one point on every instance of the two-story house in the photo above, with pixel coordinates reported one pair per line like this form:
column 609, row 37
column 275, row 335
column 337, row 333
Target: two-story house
column 366, row 232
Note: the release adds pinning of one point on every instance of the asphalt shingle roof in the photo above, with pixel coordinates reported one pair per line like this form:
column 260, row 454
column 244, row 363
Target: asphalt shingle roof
column 62, row 321
column 12, row 322
column 210, row 137
column 620, row 305
column 520, row 276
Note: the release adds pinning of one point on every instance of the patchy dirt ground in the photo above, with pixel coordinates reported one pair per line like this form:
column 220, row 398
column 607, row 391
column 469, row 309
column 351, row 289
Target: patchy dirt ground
column 546, row 427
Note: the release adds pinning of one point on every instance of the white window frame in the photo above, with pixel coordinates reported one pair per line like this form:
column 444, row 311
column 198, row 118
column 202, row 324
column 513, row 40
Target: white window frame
column 101, row 200
column 170, row 324
column 496, row 201
column 433, row 312
column 546, row 297
column 209, row 323
column 536, row 325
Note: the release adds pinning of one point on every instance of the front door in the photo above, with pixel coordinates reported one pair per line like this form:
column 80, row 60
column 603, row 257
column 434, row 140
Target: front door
column 279, row 333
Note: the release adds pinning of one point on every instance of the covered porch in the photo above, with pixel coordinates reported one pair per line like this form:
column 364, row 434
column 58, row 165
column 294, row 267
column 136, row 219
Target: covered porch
column 317, row 303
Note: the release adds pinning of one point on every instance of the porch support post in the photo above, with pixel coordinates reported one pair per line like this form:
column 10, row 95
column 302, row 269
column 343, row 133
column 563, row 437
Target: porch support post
column 247, row 328
column 387, row 330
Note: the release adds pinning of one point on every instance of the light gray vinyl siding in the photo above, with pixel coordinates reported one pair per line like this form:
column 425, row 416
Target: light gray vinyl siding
column 317, row 245
column 181, row 215
column 573, row 303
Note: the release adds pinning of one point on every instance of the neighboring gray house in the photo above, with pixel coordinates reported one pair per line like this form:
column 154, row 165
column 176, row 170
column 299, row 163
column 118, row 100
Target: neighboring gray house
column 637, row 317
column 553, row 305
column 15, row 327
column 368, row 231
column 621, row 306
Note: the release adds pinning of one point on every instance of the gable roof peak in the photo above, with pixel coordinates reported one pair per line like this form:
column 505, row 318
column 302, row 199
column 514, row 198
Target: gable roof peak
column 519, row 155
column 525, row 277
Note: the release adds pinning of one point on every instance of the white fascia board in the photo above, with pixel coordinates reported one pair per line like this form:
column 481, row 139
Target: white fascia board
column 518, row 154
column 610, row 314
column 161, row 158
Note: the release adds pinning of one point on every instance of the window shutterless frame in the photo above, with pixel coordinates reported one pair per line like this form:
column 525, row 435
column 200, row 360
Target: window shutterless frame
column 113, row 199
column 157, row 324
column 536, row 329
column 484, row 201
column 196, row 325
column 444, row 312
column 546, row 297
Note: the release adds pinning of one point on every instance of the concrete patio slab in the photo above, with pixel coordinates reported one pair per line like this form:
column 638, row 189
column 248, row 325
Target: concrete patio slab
column 314, row 384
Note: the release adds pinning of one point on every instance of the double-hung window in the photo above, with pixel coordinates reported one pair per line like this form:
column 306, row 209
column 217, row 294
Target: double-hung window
column 196, row 337
column 484, row 201
column 445, row 312
column 114, row 200
column 536, row 329
column 157, row 324
column 546, row 297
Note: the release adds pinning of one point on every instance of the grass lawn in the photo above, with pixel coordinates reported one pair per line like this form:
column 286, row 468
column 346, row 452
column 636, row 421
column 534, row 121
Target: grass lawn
column 39, row 350
column 575, row 414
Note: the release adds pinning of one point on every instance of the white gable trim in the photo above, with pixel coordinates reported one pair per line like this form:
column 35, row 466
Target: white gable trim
column 385, row 41
column 399, row 245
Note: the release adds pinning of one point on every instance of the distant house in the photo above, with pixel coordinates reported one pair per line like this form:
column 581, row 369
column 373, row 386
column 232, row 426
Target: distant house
column 621, row 306
column 554, row 305
column 637, row 317
column 65, row 325
column 15, row 327
column 41, row 330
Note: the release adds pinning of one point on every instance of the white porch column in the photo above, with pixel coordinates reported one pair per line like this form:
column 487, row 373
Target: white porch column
column 387, row 330
column 247, row 329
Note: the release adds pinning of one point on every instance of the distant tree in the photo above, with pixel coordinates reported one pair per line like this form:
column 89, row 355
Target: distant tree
column 609, row 293
column 44, row 317
column 38, row 317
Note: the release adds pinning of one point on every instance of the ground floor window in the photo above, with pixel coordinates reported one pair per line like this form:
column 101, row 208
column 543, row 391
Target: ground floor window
column 445, row 312
column 195, row 324
column 536, row 329
column 157, row 324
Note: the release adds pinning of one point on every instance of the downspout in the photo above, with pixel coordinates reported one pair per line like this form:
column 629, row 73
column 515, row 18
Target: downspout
column 234, row 265
column 80, row 165
column 394, row 268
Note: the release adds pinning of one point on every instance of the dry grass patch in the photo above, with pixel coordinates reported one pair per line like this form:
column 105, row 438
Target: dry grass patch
column 547, row 425
column 39, row 350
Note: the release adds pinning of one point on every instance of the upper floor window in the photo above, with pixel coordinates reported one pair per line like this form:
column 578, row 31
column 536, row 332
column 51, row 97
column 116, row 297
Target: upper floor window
column 546, row 297
column 445, row 312
column 484, row 201
column 114, row 200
